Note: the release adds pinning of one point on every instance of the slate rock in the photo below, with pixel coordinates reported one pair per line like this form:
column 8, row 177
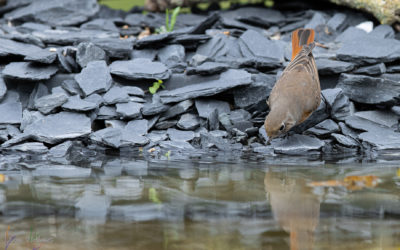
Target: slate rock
column 55, row 128
column 317, row 20
column 328, row 66
column 133, row 91
column 107, row 112
column 48, row 103
column 10, row 109
column 61, row 150
column 29, row 71
column 42, row 56
column 88, row 52
column 336, row 22
column 383, row 117
column 165, row 124
column 213, row 120
column 154, row 108
column 75, row 103
column 138, row 127
column 144, row 53
column 369, row 90
column 117, row 138
column 55, row 13
column 371, row 50
column 30, row 147
column 72, row 87
column 95, row 78
column 382, row 31
column 254, row 96
column 171, row 55
column 152, row 40
column 376, row 69
column 3, row 88
column 71, row 36
column 13, row 48
column 188, row 122
column 345, row 140
column 393, row 69
column 258, row 16
column 337, row 102
column 299, row 145
column 176, row 145
column 350, row 34
column 66, row 59
column 381, row 140
column 158, row 135
column 95, row 98
column 324, row 128
column 360, row 123
column 208, row 141
column 219, row 133
column 139, row 69
column 116, row 95
column 227, row 80
column 177, row 109
column 206, row 106
column 29, row 117
column 100, row 24
column 129, row 110
column 179, row 135
column 260, row 46
column 208, row 68
column 114, row 46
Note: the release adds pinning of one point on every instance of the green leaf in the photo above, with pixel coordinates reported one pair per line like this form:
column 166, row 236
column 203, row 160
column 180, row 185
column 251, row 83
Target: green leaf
column 174, row 16
column 153, row 196
column 167, row 20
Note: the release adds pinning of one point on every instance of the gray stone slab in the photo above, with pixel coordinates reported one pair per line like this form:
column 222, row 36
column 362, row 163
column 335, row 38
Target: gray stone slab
column 227, row 80
column 55, row 128
column 139, row 69
column 129, row 110
column 29, row 71
column 46, row 104
column 298, row 145
column 95, row 78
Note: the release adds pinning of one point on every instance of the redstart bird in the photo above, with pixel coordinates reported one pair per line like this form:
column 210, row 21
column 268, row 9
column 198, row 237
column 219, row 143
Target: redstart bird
column 297, row 93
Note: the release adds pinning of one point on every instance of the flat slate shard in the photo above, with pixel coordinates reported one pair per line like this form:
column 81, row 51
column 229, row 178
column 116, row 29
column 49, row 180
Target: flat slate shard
column 29, row 71
column 208, row 68
column 177, row 109
column 324, row 128
column 176, row 145
column 376, row 69
column 188, row 122
column 11, row 109
column 363, row 124
column 3, row 88
column 338, row 103
column 298, row 145
column 137, row 127
column 383, row 117
column 75, row 103
column 369, row 90
column 139, row 69
column 95, row 78
column 55, row 12
column 48, row 103
column 42, row 56
column 381, row 139
column 179, row 135
column 227, row 80
column 55, row 128
column 61, row 150
column 328, row 66
column 114, row 46
column 260, row 46
column 116, row 95
column 88, row 52
column 346, row 141
column 129, row 110
column 370, row 50
column 171, row 54
column 206, row 106
column 30, row 147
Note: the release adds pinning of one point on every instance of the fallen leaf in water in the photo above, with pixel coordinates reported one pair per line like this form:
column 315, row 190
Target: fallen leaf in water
column 398, row 172
column 2, row 178
column 350, row 182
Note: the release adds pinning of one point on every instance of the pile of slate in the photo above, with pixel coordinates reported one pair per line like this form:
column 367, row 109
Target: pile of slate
column 76, row 73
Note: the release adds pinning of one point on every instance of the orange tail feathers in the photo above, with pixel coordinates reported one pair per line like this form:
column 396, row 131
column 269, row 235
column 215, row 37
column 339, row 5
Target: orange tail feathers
column 301, row 37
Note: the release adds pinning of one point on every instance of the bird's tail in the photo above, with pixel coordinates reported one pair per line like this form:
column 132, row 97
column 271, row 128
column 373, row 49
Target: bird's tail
column 301, row 37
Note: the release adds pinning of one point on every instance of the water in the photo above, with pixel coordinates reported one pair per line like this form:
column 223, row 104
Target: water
column 134, row 204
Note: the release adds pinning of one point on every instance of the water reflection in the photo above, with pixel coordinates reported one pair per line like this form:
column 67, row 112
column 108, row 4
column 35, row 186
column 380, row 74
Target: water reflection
column 295, row 207
column 133, row 204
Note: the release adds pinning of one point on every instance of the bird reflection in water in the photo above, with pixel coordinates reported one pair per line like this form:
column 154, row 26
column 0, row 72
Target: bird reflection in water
column 294, row 206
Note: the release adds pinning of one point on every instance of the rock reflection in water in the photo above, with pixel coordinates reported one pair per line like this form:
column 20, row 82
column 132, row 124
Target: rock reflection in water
column 294, row 206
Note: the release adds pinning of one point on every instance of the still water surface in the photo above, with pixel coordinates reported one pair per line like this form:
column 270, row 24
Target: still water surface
column 134, row 204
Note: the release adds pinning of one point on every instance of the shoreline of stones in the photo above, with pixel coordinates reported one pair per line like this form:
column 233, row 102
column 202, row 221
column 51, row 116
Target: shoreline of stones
column 82, row 78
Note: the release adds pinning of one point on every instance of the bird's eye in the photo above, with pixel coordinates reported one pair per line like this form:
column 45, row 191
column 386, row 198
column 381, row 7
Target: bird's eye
column 282, row 127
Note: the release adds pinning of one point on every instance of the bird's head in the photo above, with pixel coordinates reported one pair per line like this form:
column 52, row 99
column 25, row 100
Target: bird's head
column 278, row 123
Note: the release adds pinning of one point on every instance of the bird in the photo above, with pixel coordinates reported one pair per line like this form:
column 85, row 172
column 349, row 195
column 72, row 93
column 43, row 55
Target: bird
column 297, row 93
